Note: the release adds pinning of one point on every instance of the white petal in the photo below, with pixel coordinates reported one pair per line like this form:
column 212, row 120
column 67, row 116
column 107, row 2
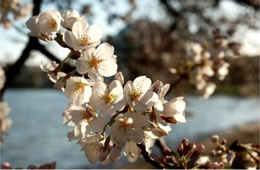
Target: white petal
column 95, row 33
column 105, row 51
column 82, row 66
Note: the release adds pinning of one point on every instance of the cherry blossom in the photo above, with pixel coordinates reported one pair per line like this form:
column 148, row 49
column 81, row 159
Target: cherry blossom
column 138, row 94
column 82, row 36
column 44, row 25
column 84, row 120
column 78, row 89
column 128, row 126
column 101, row 61
column 108, row 99
column 69, row 18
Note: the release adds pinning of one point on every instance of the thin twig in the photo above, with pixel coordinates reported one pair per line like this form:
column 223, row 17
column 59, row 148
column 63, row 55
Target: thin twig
column 148, row 158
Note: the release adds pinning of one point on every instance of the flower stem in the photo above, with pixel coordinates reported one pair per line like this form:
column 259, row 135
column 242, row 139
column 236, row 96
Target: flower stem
column 148, row 158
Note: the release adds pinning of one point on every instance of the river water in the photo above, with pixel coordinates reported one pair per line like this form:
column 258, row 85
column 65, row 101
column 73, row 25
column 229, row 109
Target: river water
column 38, row 135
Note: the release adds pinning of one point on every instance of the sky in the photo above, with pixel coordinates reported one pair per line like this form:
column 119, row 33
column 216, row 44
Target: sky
column 10, row 51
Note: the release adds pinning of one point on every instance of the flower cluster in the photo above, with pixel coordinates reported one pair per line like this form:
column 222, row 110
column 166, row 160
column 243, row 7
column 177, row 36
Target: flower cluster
column 106, row 118
column 5, row 122
column 237, row 155
column 206, row 62
column 14, row 7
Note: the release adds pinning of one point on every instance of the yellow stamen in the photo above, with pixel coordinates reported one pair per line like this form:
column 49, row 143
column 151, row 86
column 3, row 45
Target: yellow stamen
column 126, row 125
column 95, row 62
column 53, row 23
column 84, row 40
column 79, row 87
column 110, row 98
column 135, row 95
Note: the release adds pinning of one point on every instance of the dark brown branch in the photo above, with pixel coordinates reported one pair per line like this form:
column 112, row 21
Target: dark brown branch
column 174, row 14
column 148, row 158
column 49, row 55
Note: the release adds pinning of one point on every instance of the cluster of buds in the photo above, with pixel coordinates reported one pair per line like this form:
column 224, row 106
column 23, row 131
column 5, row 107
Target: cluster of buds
column 187, row 153
column 207, row 62
column 52, row 165
column 237, row 155
column 107, row 118
column 5, row 122
column 15, row 8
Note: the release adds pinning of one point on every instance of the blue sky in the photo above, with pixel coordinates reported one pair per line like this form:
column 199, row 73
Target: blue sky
column 9, row 52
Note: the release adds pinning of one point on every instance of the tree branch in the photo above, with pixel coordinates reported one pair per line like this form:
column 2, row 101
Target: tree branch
column 49, row 55
column 148, row 158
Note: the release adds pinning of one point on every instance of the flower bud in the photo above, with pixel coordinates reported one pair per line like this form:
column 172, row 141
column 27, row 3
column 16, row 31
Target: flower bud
column 219, row 152
column 104, row 153
column 185, row 142
column 197, row 151
column 6, row 165
column 166, row 151
column 119, row 76
column 180, row 149
column 223, row 142
column 191, row 146
column 213, row 153
column 156, row 86
column 215, row 138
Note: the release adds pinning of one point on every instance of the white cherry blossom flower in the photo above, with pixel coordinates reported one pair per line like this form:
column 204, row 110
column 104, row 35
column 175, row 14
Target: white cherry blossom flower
column 5, row 122
column 162, row 128
column 194, row 50
column 24, row 11
column 108, row 99
column 49, row 69
column 44, row 25
column 32, row 25
column 119, row 76
column 131, row 151
column 83, row 36
column 149, row 141
column 223, row 71
column 208, row 90
column 92, row 151
column 138, row 94
column 2, row 77
column 49, row 22
column 175, row 108
column 101, row 61
column 128, row 126
column 207, row 70
column 84, row 121
column 69, row 18
column 161, row 90
column 78, row 89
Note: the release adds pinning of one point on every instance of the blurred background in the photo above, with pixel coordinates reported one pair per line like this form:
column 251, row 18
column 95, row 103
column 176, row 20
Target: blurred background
column 149, row 38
